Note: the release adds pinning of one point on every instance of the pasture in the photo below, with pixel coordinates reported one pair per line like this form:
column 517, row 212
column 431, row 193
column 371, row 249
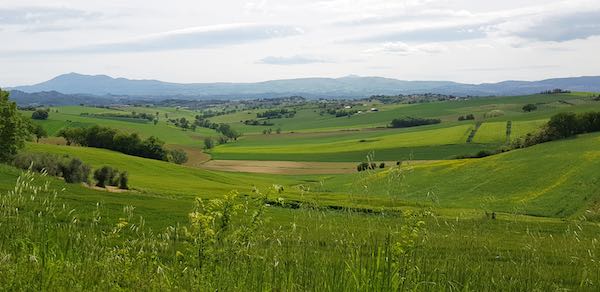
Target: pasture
column 290, row 212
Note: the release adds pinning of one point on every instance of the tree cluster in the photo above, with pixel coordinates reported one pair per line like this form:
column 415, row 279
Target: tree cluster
column 466, row 117
column 257, row 123
column 132, row 115
column 413, row 122
column 555, row 91
column 108, row 138
column 341, row 112
column 40, row 114
column 224, row 129
column 562, row 125
column 276, row 114
column 107, row 175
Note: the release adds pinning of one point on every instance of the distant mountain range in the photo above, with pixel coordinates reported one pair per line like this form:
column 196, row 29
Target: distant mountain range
column 345, row 87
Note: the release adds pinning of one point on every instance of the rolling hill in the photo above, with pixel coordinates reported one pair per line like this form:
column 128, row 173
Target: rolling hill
column 345, row 87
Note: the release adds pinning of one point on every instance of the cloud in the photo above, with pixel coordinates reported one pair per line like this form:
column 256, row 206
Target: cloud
column 405, row 49
column 37, row 18
column 42, row 15
column 374, row 19
column 430, row 34
column 189, row 38
column 293, row 60
column 561, row 28
column 509, row 68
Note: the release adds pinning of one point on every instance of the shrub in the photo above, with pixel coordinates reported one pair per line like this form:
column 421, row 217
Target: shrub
column 209, row 143
column 178, row 156
column 123, row 180
column 564, row 124
column 40, row 114
column 362, row 166
column 529, row 107
column 466, row 117
column 223, row 140
column 103, row 176
column 38, row 131
column 39, row 162
column 75, row 171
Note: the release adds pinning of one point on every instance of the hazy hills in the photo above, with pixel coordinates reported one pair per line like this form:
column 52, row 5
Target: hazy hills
column 345, row 87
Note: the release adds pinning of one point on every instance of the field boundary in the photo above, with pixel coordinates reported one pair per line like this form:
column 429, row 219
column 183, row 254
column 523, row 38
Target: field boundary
column 474, row 132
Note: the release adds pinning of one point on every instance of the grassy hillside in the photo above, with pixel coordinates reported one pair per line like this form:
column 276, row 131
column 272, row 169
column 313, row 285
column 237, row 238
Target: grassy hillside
column 70, row 116
column 555, row 179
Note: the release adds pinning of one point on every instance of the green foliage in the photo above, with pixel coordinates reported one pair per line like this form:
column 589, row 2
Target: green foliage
column 209, row 143
column 13, row 128
column 177, row 156
column 38, row 131
column 413, row 122
column 124, row 180
column 560, row 126
column 466, row 117
column 104, row 176
column 108, row 138
column 40, row 114
column 529, row 107
column 73, row 170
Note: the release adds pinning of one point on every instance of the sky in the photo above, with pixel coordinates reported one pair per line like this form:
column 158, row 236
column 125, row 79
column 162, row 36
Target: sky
column 471, row 41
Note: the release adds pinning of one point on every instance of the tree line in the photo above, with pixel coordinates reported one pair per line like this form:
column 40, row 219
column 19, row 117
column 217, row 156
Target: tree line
column 560, row 126
column 412, row 122
column 131, row 144
column 276, row 114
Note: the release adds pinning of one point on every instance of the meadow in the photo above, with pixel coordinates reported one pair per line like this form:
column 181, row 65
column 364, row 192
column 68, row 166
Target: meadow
column 522, row 220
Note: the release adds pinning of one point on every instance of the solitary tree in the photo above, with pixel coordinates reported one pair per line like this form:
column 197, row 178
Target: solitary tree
column 209, row 143
column 39, row 132
column 529, row 107
column 13, row 128
column 123, row 180
column 40, row 115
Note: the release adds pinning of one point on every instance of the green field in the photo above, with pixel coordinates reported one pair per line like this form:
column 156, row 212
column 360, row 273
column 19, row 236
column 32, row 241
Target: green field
column 522, row 220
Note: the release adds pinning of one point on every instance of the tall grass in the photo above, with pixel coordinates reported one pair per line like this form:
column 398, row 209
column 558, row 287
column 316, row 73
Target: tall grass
column 241, row 243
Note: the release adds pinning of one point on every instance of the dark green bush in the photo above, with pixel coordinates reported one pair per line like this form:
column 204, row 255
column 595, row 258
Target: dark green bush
column 103, row 176
column 40, row 114
column 178, row 156
column 73, row 170
column 413, row 122
column 123, row 180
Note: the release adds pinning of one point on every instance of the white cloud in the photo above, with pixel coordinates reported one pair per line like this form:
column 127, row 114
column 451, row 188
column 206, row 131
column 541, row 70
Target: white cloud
column 293, row 60
column 188, row 38
column 405, row 49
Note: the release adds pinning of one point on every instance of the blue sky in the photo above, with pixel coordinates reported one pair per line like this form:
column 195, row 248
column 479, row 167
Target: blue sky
column 244, row 41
